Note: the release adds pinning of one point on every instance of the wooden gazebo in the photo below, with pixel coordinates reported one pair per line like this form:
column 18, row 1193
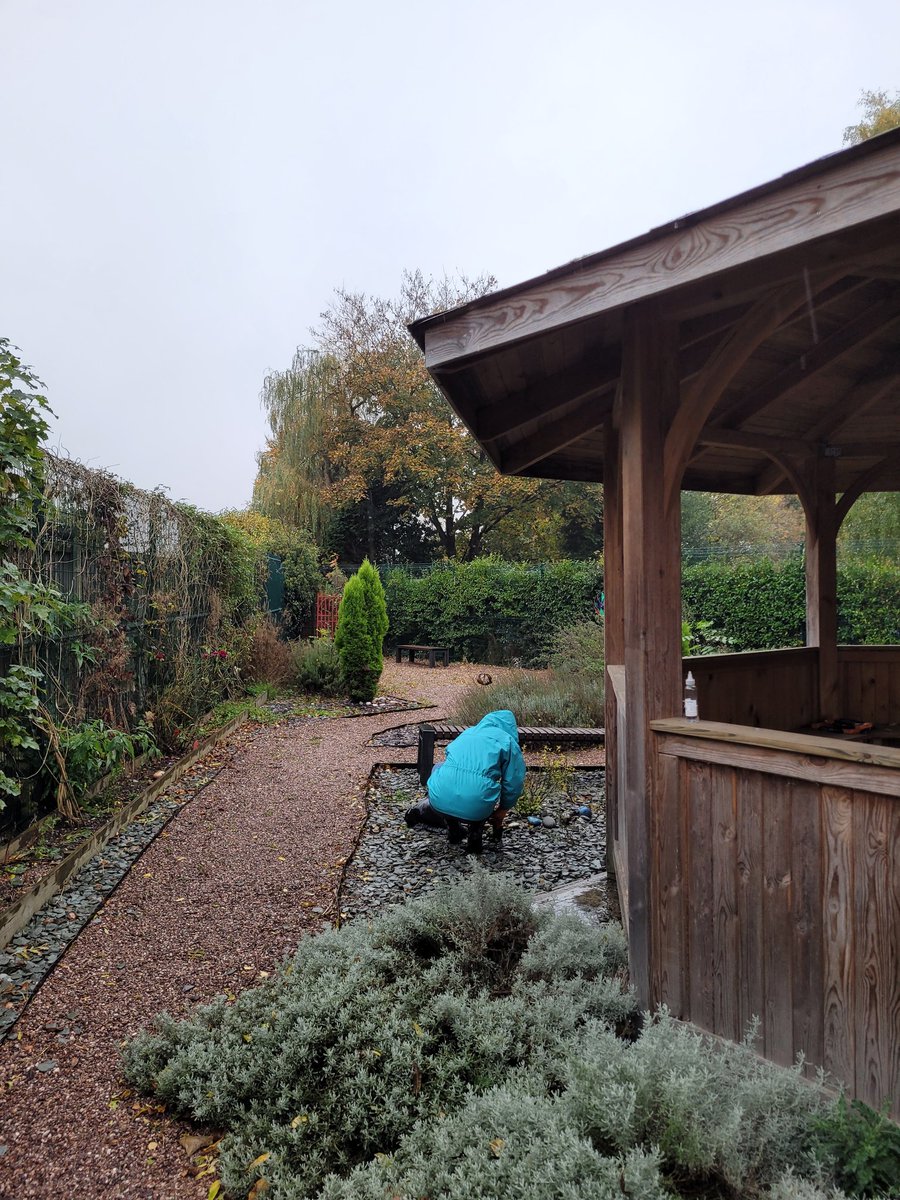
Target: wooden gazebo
column 753, row 347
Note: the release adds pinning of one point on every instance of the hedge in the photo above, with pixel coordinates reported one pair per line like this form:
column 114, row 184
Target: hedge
column 761, row 605
column 494, row 611
column 489, row 610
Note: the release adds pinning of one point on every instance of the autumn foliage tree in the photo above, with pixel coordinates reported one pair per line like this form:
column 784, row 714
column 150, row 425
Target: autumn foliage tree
column 880, row 113
column 361, row 437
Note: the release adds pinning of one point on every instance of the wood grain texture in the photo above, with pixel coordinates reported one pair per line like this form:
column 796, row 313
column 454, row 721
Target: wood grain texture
column 806, row 926
column 840, row 197
column 772, row 689
column 821, row 581
column 651, row 552
column 702, row 393
column 839, row 1006
column 777, row 943
column 750, row 980
column 670, row 856
column 797, row 755
column 875, row 966
column 726, row 933
column 791, row 895
column 701, row 985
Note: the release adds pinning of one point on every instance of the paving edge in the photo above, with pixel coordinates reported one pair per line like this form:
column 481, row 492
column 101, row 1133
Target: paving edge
column 20, row 913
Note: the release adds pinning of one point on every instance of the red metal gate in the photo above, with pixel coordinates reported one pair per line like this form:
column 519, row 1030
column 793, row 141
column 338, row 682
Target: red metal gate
column 326, row 612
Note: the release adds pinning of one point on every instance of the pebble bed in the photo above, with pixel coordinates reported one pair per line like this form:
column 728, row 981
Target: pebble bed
column 31, row 954
column 393, row 863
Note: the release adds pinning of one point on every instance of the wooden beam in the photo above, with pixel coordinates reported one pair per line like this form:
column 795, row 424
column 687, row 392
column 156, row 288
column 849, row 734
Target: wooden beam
column 821, row 583
column 737, row 439
column 701, row 394
column 613, row 624
column 651, row 550
column 866, row 482
column 799, row 375
column 863, row 395
column 832, row 199
column 556, row 435
column 592, row 375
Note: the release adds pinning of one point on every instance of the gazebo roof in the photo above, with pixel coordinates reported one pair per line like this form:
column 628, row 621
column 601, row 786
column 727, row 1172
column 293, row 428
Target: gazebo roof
column 786, row 300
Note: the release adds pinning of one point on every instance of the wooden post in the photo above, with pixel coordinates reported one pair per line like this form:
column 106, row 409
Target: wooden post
column 821, row 583
column 651, row 547
column 613, row 620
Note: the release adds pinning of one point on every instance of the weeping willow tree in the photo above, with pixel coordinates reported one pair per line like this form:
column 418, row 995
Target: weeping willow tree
column 294, row 468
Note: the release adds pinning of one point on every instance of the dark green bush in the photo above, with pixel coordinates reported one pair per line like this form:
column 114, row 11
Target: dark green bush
column 317, row 667
column 355, row 644
column 863, row 1148
column 492, row 611
column 376, row 612
column 761, row 605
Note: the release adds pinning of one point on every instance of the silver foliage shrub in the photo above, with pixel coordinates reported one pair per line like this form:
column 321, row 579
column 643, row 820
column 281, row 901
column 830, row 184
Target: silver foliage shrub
column 370, row 1028
column 502, row 1144
column 714, row 1110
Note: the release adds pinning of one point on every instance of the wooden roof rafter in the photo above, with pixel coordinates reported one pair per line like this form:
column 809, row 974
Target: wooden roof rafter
column 780, row 298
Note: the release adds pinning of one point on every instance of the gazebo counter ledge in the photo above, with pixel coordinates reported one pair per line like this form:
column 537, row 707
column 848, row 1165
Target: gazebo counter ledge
column 831, row 761
column 774, row 888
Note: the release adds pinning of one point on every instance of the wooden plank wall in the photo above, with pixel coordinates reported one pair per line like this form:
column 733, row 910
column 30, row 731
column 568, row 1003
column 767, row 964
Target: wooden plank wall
column 779, row 898
column 772, row 689
column 869, row 683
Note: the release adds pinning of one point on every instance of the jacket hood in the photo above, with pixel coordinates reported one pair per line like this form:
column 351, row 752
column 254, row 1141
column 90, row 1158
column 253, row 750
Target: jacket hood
column 502, row 719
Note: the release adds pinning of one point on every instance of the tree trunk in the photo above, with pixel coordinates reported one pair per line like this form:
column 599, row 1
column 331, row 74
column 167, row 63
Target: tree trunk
column 370, row 527
column 449, row 529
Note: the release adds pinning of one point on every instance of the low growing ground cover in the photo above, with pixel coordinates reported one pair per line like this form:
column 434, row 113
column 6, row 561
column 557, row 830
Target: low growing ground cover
column 465, row 1046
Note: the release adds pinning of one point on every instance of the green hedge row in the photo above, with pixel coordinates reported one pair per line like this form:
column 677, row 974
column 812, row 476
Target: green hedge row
column 491, row 611
column 761, row 605
column 494, row 611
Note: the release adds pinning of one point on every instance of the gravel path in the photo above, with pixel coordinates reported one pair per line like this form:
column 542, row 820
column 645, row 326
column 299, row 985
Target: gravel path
column 239, row 874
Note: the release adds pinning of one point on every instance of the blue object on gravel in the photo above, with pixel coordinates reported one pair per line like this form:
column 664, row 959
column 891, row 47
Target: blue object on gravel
column 584, row 810
column 535, row 821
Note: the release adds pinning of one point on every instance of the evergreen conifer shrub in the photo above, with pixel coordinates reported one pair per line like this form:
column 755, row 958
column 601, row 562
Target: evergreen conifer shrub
column 355, row 644
column 376, row 611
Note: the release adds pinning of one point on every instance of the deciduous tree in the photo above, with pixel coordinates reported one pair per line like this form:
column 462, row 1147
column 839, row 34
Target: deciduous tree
column 880, row 113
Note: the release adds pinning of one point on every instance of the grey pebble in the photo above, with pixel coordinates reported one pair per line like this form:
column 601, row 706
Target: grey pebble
column 50, row 1065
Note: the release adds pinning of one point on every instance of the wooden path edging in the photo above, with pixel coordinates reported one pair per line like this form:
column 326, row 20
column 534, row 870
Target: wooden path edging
column 17, row 916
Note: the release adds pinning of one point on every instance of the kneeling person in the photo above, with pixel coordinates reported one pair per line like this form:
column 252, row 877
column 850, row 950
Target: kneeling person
column 481, row 778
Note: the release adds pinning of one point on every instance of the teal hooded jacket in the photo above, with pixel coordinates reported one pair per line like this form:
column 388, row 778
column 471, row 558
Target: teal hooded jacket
column 484, row 768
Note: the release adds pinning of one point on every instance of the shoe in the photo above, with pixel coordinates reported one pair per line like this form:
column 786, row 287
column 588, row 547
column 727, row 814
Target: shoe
column 455, row 830
column 474, row 844
column 413, row 816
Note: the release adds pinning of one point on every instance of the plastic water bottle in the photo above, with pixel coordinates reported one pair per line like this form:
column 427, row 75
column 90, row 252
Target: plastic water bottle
column 690, row 699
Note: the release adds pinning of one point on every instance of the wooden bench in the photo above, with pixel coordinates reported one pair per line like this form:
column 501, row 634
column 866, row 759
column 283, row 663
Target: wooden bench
column 431, row 651
column 528, row 735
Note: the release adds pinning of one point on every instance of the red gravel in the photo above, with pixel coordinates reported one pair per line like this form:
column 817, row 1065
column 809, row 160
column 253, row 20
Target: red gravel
column 217, row 900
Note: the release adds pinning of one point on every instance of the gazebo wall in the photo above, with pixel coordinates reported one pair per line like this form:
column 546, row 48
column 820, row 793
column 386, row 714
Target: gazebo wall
column 775, row 894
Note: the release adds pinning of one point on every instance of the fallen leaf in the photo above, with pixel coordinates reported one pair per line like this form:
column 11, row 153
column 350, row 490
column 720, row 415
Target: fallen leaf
column 257, row 1162
column 300, row 1119
column 194, row 1142
column 496, row 1145
column 214, row 1188
column 152, row 1145
column 261, row 1185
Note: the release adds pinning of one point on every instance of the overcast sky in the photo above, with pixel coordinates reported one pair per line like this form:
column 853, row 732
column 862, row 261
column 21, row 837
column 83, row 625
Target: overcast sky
column 185, row 182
